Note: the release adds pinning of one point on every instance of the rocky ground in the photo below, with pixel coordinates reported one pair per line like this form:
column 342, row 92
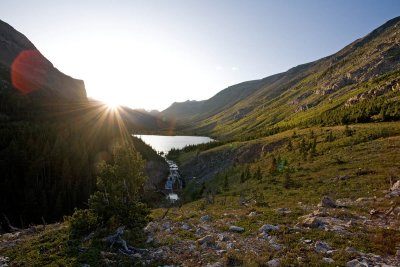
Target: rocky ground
column 207, row 245
column 206, row 240
column 323, row 236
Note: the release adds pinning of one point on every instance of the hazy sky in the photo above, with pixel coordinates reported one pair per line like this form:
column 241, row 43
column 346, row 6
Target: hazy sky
column 148, row 54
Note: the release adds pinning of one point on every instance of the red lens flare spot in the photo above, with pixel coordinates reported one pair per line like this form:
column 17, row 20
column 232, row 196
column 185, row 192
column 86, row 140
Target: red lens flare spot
column 29, row 71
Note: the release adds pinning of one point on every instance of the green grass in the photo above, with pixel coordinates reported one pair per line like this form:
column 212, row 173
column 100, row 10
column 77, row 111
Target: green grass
column 367, row 158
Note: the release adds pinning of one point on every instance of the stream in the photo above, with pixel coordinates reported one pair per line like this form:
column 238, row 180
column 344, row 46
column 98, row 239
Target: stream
column 174, row 181
column 161, row 143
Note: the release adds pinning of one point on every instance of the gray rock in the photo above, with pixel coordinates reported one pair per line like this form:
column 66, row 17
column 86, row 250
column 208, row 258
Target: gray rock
column 311, row 222
column 268, row 228
column 308, row 241
column 167, row 225
column 223, row 237
column 151, row 227
column 351, row 250
column 322, row 247
column 149, row 239
column 230, row 246
column 328, row 260
column 215, row 264
column 236, row 229
column 395, row 193
column 185, row 226
column 273, row 263
column 221, row 251
column 395, row 186
column 283, row 211
column 276, row 246
column 205, row 218
column 264, row 236
column 252, row 214
column 327, row 202
column 356, row 263
column 207, row 240
column 4, row 261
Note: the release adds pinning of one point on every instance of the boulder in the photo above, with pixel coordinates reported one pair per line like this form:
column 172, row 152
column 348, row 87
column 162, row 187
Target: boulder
column 283, row 211
column 4, row 261
column 205, row 218
column 328, row 260
column 268, row 228
column 230, row 246
column 356, row 263
column 150, row 228
column 395, row 186
column 185, row 226
column 223, row 237
column 311, row 222
column 252, row 214
column 327, row 202
column 273, row 263
column 167, row 225
column 206, row 240
column 236, row 229
column 322, row 247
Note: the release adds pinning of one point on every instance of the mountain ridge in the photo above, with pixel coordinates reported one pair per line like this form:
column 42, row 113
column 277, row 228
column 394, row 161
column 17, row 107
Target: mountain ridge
column 25, row 68
column 289, row 97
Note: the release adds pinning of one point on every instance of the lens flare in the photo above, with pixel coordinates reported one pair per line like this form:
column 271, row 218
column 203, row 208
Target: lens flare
column 29, row 71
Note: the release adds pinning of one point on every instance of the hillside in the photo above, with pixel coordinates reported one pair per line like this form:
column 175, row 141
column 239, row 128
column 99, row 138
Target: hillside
column 193, row 111
column 356, row 84
column 305, row 173
column 52, row 137
column 23, row 67
column 335, row 203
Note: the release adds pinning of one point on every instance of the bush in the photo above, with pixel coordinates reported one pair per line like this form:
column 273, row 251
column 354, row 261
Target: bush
column 116, row 203
column 83, row 222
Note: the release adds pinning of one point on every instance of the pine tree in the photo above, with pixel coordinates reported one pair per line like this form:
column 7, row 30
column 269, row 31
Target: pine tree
column 289, row 145
column 312, row 135
column 120, row 185
column 329, row 137
column 273, row 166
column 258, row 174
column 348, row 131
column 287, row 181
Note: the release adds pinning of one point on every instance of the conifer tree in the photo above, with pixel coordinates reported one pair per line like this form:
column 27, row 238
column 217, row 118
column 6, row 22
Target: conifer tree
column 273, row 166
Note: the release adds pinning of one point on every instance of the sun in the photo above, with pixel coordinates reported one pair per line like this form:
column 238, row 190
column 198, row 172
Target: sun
column 112, row 104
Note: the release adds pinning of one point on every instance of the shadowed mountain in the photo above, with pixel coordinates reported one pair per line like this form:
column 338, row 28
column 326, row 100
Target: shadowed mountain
column 23, row 67
column 340, row 85
column 52, row 137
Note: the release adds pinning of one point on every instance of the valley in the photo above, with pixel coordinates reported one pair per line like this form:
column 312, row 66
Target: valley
column 304, row 171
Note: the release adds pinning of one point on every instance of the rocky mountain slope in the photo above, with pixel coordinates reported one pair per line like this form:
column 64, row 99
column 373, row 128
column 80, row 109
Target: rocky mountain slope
column 27, row 70
column 365, row 69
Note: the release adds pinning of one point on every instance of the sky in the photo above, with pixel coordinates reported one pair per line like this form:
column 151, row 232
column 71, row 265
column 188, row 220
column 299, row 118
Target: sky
column 150, row 53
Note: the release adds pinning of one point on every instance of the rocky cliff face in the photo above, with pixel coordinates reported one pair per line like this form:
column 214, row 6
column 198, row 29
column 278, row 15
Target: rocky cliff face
column 25, row 69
